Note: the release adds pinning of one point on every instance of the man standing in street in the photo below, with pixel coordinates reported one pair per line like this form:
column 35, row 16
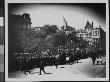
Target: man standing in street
column 56, row 60
column 67, row 60
column 42, row 66
column 93, row 56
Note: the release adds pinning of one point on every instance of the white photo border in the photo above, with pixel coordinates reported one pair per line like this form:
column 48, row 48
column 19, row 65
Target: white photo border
column 57, row 1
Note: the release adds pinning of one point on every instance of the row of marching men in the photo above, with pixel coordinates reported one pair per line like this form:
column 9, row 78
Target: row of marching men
column 26, row 61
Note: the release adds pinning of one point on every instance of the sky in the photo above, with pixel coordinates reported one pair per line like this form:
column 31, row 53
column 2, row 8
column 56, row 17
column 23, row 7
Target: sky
column 75, row 14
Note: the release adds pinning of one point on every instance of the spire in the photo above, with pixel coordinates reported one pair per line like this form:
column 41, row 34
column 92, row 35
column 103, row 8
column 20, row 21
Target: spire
column 92, row 24
column 87, row 23
column 99, row 26
column 65, row 22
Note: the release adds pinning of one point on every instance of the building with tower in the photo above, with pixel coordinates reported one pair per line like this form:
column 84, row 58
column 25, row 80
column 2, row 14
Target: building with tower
column 99, row 38
column 67, row 29
column 96, row 37
column 81, row 33
column 18, row 29
column 19, row 21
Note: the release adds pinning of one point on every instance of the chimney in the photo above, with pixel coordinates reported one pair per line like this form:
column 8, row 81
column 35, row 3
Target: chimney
column 92, row 24
column 99, row 26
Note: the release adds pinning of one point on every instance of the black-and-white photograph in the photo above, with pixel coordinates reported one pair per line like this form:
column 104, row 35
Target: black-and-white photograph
column 1, row 40
column 56, row 41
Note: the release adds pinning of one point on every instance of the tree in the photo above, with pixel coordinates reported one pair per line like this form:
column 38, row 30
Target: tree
column 49, row 29
column 59, row 39
column 83, row 43
column 72, row 36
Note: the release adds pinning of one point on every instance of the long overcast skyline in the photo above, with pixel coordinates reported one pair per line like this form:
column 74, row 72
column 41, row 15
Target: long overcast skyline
column 52, row 14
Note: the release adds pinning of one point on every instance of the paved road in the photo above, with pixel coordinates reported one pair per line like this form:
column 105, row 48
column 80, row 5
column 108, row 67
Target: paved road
column 79, row 71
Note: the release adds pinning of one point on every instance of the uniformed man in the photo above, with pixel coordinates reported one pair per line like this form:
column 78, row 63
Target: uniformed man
column 42, row 66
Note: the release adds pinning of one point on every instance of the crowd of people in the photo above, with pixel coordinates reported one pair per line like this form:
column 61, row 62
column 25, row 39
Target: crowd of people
column 96, row 56
column 26, row 61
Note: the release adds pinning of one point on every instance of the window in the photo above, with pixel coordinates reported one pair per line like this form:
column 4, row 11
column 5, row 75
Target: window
column 96, row 32
column 93, row 32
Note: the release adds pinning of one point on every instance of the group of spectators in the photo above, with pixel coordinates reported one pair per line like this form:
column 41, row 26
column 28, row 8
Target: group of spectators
column 27, row 61
column 96, row 56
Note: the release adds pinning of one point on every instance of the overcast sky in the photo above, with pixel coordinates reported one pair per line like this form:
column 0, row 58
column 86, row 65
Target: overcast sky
column 75, row 14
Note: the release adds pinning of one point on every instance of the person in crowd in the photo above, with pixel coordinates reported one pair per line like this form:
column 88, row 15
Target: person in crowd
column 17, row 63
column 56, row 61
column 73, row 57
column 67, row 60
column 93, row 56
column 42, row 66
column 76, row 56
column 26, row 65
column 99, row 60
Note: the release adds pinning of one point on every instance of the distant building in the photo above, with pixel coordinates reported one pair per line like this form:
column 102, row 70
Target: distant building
column 88, row 32
column 67, row 29
column 37, row 28
column 20, row 21
column 99, row 38
column 24, row 21
column 18, row 28
column 95, row 37
column 81, row 33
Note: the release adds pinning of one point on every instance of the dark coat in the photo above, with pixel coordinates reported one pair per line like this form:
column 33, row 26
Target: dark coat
column 41, row 64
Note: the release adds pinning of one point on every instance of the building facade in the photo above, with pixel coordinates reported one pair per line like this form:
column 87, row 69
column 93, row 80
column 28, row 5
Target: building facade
column 66, row 28
column 18, row 28
column 96, row 37
column 81, row 33
column 99, row 38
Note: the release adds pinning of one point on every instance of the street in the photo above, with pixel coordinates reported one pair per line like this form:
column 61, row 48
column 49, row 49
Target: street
column 79, row 71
